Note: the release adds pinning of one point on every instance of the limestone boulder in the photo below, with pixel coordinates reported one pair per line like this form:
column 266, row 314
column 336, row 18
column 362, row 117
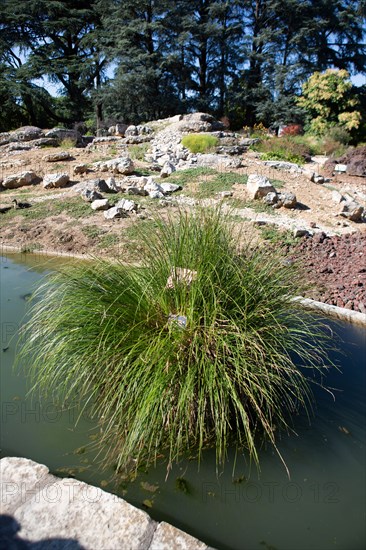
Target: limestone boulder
column 60, row 134
column 167, row 170
column 100, row 204
column 259, row 186
column 121, row 165
column 352, row 211
column 52, row 181
column 154, row 190
column 90, row 195
column 168, row 188
column 270, row 198
column 20, row 180
column 127, row 205
column 115, row 212
column 28, row 133
column 57, row 156
column 80, row 169
column 287, row 200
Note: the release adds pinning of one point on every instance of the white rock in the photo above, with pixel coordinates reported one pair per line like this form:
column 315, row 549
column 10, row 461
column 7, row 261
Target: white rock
column 121, row 165
column 112, row 185
column 340, row 168
column 167, row 188
column 131, row 131
column 167, row 170
column 126, row 205
column 287, row 200
column 114, row 212
column 154, row 190
column 55, row 157
column 156, row 195
column 51, row 181
column 100, row 204
column 259, row 186
column 20, row 180
column 224, row 194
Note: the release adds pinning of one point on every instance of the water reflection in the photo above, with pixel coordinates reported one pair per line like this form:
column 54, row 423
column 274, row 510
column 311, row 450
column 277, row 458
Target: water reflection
column 322, row 505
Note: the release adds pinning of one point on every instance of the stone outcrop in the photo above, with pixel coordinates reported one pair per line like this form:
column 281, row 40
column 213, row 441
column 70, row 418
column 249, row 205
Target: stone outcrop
column 52, row 181
column 121, row 165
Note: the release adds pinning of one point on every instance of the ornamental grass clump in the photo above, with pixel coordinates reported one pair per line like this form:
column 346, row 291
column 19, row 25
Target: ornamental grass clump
column 196, row 348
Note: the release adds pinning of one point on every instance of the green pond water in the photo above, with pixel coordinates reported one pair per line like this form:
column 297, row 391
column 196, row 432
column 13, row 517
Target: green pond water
column 321, row 507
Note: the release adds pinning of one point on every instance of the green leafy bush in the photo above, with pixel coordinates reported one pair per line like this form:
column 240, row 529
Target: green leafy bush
column 199, row 143
column 197, row 348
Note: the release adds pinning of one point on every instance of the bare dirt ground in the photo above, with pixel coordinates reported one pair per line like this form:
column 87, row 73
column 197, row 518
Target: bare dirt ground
column 59, row 221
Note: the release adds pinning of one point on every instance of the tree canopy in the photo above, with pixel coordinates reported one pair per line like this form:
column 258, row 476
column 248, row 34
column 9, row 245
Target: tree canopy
column 135, row 60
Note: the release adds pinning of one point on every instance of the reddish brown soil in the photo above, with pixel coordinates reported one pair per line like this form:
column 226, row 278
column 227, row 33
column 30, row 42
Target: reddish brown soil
column 337, row 266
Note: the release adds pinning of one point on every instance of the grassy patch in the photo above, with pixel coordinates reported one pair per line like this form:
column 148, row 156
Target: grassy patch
column 138, row 152
column 109, row 240
column 223, row 181
column 277, row 236
column 176, row 361
column 260, row 206
column 92, row 231
column 73, row 207
column 184, row 177
column 207, row 180
column 199, row 143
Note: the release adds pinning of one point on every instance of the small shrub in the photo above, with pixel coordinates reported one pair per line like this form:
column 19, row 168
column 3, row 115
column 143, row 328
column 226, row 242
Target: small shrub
column 138, row 152
column 333, row 148
column 259, row 131
column 106, row 334
column 68, row 143
column 284, row 148
column 337, row 133
column 199, row 143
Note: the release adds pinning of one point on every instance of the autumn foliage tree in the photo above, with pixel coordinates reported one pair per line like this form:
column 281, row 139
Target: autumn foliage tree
column 329, row 101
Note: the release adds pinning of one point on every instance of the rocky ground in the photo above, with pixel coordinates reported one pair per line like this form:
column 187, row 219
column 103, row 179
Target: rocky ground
column 157, row 175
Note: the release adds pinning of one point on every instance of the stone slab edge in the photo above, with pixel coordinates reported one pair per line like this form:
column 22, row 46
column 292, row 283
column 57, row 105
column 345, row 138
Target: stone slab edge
column 355, row 317
column 37, row 507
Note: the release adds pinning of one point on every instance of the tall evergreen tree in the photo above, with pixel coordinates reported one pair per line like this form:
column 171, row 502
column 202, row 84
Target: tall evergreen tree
column 55, row 38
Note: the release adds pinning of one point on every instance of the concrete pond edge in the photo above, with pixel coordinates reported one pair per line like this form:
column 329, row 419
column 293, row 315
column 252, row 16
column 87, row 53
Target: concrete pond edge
column 39, row 508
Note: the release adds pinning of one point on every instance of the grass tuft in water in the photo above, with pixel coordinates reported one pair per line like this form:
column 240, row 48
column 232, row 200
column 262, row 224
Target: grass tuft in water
column 209, row 360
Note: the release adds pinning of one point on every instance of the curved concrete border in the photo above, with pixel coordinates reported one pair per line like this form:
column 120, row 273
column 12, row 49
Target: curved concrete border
column 349, row 315
column 37, row 507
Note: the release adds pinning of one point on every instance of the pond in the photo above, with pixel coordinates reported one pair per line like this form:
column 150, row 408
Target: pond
column 321, row 507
